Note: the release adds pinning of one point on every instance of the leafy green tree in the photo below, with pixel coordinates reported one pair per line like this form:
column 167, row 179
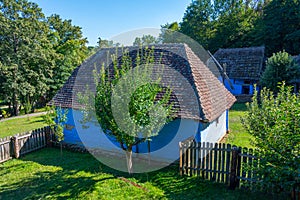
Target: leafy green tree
column 169, row 33
column 281, row 25
column 145, row 40
column 70, row 48
column 106, row 44
column 130, row 82
column 222, row 23
column 275, row 124
column 26, row 54
column 280, row 67
column 56, row 118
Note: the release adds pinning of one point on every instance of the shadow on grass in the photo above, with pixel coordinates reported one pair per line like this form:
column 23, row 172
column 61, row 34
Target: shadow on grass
column 239, row 107
column 75, row 175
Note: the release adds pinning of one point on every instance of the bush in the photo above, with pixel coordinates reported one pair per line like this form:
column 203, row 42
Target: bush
column 275, row 124
column 280, row 67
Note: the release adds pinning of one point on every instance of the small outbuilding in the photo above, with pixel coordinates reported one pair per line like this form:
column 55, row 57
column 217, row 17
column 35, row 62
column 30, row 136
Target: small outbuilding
column 244, row 67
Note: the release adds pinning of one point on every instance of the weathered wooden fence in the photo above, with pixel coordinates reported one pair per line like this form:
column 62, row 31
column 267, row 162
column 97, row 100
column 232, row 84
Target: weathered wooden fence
column 24, row 143
column 221, row 163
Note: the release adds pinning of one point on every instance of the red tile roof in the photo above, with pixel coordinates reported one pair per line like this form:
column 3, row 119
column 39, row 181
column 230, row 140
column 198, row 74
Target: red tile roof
column 212, row 98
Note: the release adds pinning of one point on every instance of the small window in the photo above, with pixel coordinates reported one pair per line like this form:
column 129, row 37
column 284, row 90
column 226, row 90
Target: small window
column 245, row 89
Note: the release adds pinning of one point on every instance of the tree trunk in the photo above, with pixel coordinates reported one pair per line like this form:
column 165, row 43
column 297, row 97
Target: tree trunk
column 15, row 105
column 129, row 161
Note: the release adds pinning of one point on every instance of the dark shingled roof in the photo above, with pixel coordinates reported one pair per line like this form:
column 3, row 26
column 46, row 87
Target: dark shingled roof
column 212, row 96
column 242, row 63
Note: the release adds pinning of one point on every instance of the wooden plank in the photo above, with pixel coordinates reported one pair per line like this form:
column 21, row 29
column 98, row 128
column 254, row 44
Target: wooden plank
column 198, row 158
column 180, row 159
column 223, row 163
column 219, row 163
column 206, row 160
column 228, row 161
column 244, row 163
column 210, row 160
column 203, row 159
column 215, row 161
column 250, row 163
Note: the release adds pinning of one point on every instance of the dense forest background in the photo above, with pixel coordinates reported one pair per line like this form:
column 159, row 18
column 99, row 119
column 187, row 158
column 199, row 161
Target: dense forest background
column 38, row 53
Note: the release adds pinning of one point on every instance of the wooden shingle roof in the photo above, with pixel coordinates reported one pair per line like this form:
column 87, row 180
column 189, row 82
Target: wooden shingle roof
column 242, row 63
column 212, row 97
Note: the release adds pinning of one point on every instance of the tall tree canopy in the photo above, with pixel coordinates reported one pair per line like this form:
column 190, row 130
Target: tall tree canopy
column 26, row 53
column 281, row 26
column 38, row 54
column 70, row 47
column 225, row 23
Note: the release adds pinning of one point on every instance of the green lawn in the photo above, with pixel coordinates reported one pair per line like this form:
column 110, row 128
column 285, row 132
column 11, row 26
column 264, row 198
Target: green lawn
column 46, row 175
column 20, row 125
column 238, row 135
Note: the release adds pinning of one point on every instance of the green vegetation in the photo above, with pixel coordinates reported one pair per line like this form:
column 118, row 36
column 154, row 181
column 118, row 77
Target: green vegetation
column 280, row 67
column 38, row 54
column 238, row 135
column 231, row 23
column 20, row 125
column 274, row 122
column 132, row 85
column 44, row 175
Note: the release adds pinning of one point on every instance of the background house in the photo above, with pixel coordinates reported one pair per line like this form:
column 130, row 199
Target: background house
column 244, row 67
column 205, row 117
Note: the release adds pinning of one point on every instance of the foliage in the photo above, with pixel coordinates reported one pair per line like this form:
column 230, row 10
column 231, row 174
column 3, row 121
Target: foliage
column 220, row 24
column 145, row 40
column 227, row 24
column 106, row 43
column 70, row 48
column 26, row 54
column 280, row 26
column 274, row 122
column 146, row 113
column 56, row 118
column 280, row 67
column 38, row 54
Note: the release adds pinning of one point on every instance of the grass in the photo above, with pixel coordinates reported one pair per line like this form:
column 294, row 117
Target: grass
column 20, row 125
column 238, row 135
column 46, row 175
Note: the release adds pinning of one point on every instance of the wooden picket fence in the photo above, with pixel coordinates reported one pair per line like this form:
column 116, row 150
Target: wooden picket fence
column 222, row 163
column 21, row 144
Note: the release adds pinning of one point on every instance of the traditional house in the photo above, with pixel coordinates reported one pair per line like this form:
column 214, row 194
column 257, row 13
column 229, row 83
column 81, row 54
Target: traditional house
column 204, row 117
column 244, row 67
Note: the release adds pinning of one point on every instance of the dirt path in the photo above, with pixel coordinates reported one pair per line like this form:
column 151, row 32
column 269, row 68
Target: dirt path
column 23, row 116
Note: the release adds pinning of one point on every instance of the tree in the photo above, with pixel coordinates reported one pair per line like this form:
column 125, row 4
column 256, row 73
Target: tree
column 128, row 84
column 145, row 40
column 56, row 118
column 70, row 48
column 281, row 25
column 280, row 67
column 275, row 124
column 106, row 43
column 26, row 54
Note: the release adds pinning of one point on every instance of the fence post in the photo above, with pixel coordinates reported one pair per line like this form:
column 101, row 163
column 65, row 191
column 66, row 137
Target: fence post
column 48, row 136
column 16, row 146
column 233, row 168
column 180, row 159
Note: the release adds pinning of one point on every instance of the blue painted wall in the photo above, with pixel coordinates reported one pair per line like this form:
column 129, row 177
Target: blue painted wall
column 164, row 146
column 238, row 86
